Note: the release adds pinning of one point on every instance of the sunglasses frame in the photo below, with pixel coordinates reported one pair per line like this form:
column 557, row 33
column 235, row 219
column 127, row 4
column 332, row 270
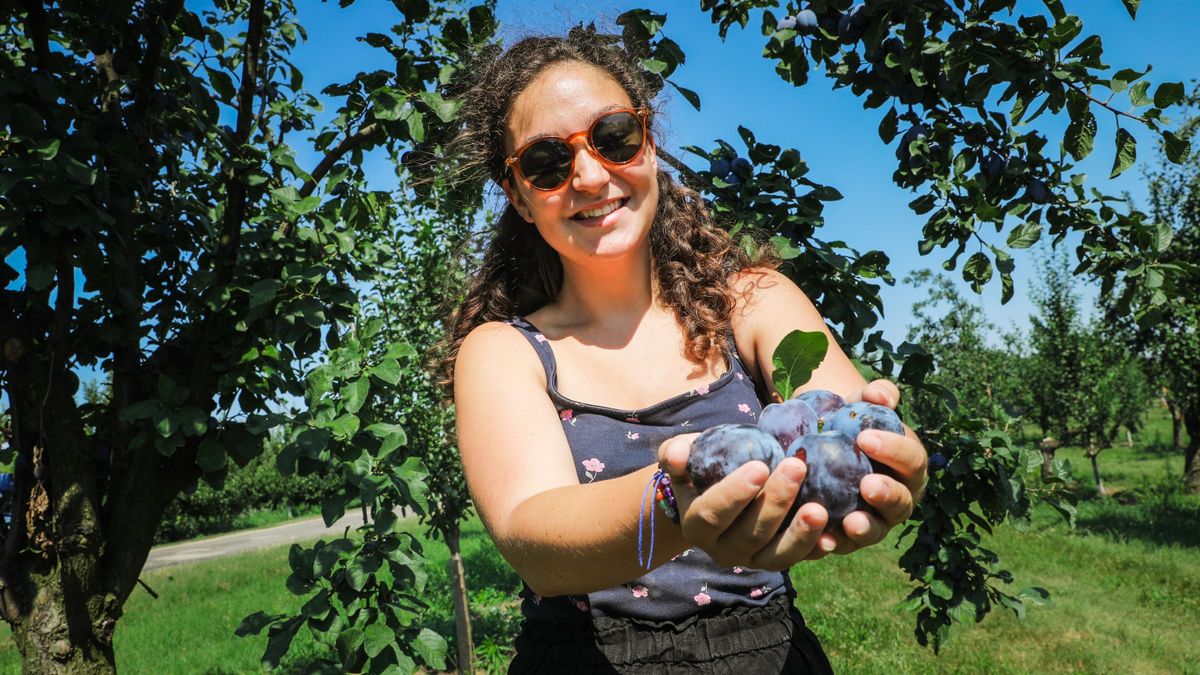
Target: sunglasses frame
column 513, row 162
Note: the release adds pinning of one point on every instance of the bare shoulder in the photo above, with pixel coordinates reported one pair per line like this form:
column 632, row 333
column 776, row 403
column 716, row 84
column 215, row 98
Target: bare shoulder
column 762, row 292
column 769, row 306
column 493, row 346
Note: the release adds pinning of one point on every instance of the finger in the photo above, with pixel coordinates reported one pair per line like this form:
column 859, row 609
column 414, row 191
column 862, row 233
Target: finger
column 762, row 519
column 798, row 541
column 904, row 455
column 863, row 528
column 709, row 515
column 881, row 392
column 890, row 498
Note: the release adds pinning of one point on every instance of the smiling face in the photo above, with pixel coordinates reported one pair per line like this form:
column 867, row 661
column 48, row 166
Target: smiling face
column 602, row 211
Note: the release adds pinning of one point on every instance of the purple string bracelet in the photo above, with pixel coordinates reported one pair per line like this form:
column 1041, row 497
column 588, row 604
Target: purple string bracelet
column 664, row 497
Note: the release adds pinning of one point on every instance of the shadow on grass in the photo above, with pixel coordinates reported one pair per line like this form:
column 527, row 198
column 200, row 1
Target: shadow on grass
column 1158, row 514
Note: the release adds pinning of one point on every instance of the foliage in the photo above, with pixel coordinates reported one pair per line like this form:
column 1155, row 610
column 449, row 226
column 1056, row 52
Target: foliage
column 257, row 486
column 980, row 378
column 1055, row 381
column 151, row 150
column 1170, row 344
column 366, row 592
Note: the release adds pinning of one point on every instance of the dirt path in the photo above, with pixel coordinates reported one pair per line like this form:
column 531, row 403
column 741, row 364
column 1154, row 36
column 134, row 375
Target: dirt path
column 238, row 542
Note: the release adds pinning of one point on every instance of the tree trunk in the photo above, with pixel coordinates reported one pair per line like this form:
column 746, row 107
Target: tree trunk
column 1191, row 464
column 462, row 609
column 1048, row 446
column 50, row 573
column 1176, row 425
column 1094, row 455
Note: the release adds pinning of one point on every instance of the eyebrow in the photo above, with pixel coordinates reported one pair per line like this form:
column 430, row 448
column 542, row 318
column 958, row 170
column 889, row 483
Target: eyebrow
column 600, row 113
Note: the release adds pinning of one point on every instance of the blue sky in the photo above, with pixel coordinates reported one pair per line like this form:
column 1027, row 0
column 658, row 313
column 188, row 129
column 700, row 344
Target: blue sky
column 830, row 128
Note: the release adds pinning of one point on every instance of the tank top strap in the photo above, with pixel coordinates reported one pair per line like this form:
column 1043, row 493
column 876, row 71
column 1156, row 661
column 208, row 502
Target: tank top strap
column 540, row 346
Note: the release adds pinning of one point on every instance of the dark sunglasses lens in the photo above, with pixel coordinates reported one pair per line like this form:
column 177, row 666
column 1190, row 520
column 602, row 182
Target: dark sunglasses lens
column 618, row 137
column 546, row 164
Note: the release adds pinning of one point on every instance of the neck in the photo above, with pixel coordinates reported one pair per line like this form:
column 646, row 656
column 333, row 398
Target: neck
column 613, row 297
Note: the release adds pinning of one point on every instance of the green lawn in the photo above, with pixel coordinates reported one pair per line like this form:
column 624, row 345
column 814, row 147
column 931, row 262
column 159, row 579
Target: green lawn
column 1125, row 591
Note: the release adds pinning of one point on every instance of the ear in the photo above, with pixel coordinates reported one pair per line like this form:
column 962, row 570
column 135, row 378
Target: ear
column 516, row 198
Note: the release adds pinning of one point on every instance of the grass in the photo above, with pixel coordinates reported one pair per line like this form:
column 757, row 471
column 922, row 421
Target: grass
column 1125, row 593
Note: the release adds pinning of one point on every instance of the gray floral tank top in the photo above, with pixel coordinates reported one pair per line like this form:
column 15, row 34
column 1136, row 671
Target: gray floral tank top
column 609, row 443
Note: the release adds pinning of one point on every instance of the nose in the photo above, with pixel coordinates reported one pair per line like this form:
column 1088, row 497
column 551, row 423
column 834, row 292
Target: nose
column 590, row 174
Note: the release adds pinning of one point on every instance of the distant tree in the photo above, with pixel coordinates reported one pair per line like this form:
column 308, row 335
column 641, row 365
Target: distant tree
column 1115, row 393
column 1056, row 351
column 954, row 330
column 1170, row 341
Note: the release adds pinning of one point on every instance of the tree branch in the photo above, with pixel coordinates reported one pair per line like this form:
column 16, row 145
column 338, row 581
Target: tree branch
column 690, row 177
column 349, row 143
column 155, row 38
column 235, row 194
column 38, row 32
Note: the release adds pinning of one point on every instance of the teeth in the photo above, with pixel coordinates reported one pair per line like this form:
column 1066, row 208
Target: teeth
column 602, row 211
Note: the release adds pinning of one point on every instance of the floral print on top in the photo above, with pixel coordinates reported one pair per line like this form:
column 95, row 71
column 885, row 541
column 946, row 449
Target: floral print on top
column 609, row 443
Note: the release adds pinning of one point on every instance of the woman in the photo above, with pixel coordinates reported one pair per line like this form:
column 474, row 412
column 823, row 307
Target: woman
column 612, row 321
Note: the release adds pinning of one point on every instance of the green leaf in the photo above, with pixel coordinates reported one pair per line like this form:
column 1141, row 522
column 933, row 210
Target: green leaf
column 689, row 95
column 48, row 149
column 333, row 507
column 889, row 126
column 388, row 104
column 193, row 421
column 389, row 371
column 355, row 394
column 1081, row 135
column 1123, row 77
column 431, row 647
column 344, row 427
column 795, row 359
column 392, row 435
column 978, row 269
column 141, row 410
column 264, row 292
column 253, row 624
column 210, row 456
column 445, row 110
column 279, row 638
column 376, row 638
column 1137, row 94
column 1168, row 94
column 1025, row 235
column 1126, row 153
column 1131, row 6
column 348, row 644
column 1163, row 234
column 80, row 172
column 1177, row 149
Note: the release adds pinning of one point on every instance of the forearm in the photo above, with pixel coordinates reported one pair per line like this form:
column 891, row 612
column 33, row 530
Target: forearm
column 582, row 538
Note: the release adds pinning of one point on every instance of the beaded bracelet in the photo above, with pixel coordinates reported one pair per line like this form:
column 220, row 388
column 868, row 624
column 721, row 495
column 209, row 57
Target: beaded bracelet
column 665, row 498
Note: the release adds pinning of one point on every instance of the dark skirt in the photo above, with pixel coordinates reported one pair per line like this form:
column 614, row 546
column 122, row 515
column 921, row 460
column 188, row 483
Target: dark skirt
column 738, row 640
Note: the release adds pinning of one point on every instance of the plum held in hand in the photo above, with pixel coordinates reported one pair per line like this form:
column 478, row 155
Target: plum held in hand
column 860, row 416
column 720, row 450
column 835, row 469
column 824, row 404
column 788, row 421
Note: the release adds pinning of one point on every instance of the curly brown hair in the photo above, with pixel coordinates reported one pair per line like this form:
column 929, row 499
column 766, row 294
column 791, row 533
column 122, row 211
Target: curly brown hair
column 693, row 258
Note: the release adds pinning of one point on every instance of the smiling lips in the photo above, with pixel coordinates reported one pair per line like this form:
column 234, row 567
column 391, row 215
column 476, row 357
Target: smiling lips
column 600, row 211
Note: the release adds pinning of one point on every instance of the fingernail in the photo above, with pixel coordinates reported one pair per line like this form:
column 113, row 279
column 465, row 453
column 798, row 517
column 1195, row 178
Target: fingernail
column 828, row 543
column 792, row 473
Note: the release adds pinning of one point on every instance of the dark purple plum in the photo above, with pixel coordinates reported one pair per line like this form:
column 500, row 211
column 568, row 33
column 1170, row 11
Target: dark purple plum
column 856, row 417
column 823, row 402
column 835, row 469
column 806, row 22
column 788, row 421
column 720, row 450
column 937, row 461
column 786, row 23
